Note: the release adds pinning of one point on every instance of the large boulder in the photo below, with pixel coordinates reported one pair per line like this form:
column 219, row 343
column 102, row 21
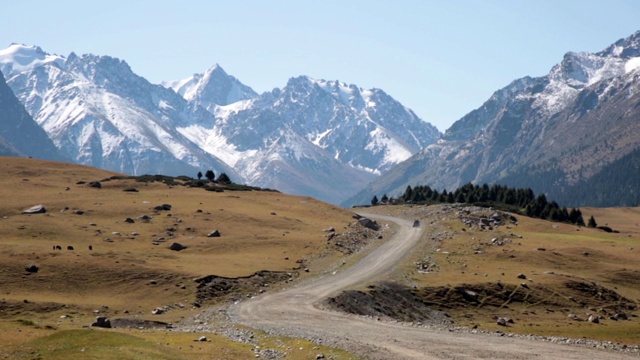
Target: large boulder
column 214, row 233
column 102, row 321
column 368, row 223
column 37, row 209
column 32, row 268
column 177, row 247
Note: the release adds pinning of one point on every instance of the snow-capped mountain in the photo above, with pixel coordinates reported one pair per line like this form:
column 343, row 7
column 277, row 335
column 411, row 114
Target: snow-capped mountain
column 548, row 133
column 313, row 137
column 321, row 138
column 213, row 88
column 19, row 134
column 99, row 113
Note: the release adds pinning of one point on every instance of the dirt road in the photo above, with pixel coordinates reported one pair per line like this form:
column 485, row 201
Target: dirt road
column 295, row 312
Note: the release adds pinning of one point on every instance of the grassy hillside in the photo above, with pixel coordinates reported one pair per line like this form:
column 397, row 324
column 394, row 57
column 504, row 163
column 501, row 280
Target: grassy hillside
column 130, row 269
column 569, row 272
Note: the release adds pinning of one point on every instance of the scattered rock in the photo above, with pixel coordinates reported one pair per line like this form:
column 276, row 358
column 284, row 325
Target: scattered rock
column 102, row 321
column 469, row 295
column 130, row 190
column 157, row 311
column 368, row 223
column 78, row 212
column 32, row 268
column 522, row 276
column 594, row 319
column 95, row 184
column 177, row 247
column 202, row 338
column 129, row 220
column 319, row 356
column 214, row 233
column 329, row 229
column 145, row 218
column 619, row 316
column 37, row 209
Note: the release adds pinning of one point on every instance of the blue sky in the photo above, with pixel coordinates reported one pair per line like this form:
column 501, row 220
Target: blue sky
column 440, row 58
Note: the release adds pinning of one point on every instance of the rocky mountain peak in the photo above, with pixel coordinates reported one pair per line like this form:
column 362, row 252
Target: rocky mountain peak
column 625, row 48
column 211, row 89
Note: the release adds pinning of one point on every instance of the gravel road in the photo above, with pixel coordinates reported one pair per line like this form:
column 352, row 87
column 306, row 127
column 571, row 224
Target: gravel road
column 296, row 312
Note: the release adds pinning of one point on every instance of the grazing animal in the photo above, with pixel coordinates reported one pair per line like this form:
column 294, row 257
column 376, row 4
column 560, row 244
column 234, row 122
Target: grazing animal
column 90, row 247
column 69, row 247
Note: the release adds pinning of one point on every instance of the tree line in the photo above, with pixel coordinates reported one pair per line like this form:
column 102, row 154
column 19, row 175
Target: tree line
column 517, row 200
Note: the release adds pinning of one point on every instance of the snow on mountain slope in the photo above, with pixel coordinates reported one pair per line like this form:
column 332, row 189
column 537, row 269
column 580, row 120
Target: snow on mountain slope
column 312, row 137
column 357, row 134
column 543, row 126
column 213, row 88
column 19, row 57
column 19, row 134
column 99, row 113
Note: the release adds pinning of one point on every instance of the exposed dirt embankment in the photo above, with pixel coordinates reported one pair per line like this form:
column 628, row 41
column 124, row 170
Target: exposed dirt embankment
column 215, row 288
column 430, row 304
column 388, row 300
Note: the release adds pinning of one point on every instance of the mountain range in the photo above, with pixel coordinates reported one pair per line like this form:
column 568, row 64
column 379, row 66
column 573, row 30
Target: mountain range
column 313, row 137
column 559, row 134
column 571, row 134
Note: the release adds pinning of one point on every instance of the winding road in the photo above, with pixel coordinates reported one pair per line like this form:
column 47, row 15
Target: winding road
column 295, row 312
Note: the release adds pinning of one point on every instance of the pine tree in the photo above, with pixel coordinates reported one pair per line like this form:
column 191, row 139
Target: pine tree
column 210, row 175
column 199, row 175
column 592, row 222
column 374, row 201
column 224, row 179
column 408, row 192
column 384, row 199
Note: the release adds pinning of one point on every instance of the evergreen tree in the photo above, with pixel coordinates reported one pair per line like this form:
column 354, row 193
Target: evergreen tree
column 224, row 179
column 408, row 192
column 592, row 222
column 210, row 175
column 199, row 175
column 384, row 199
column 374, row 201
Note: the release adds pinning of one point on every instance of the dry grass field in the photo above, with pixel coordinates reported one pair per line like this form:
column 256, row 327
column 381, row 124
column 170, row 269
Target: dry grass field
column 130, row 269
column 569, row 271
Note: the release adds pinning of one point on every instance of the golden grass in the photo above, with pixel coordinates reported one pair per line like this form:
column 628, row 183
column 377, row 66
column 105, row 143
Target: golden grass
column 533, row 247
column 260, row 231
